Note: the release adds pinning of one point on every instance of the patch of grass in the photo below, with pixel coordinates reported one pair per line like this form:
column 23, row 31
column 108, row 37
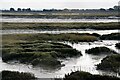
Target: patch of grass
column 13, row 75
column 100, row 50
column 38, row 52
column 112, row 36
column 61, row 26
column 62, row 14
column 110, row 63
column 79, row 75
column 71, row 37
column 36, row 48
column 117, row 45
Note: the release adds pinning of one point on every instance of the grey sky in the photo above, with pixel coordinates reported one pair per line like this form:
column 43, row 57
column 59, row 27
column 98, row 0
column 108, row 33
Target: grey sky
column 58, row 4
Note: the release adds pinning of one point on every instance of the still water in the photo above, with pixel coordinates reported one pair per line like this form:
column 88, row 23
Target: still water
column 8, row 19
column 21, row 31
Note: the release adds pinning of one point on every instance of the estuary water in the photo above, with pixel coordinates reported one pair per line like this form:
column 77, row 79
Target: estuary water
column 22, row 31
column 8, row 19
column 83, row 63
column 86, row 62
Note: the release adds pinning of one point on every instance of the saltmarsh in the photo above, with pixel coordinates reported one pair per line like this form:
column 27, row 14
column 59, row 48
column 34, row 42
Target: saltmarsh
column 100, row 50
column 71, row 37
column 38, row 53
column 13, row 75
column 62, row 15
column 60, row 26
column 41, row 49
column 110, row 63
column 79, row 75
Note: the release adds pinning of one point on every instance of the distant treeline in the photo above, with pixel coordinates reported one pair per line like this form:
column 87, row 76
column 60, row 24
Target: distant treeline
column 115, row 8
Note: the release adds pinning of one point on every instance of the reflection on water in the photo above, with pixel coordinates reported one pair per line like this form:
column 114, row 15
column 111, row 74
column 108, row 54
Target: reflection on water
column 101, row 32
column 8, row 19
column 84, row 63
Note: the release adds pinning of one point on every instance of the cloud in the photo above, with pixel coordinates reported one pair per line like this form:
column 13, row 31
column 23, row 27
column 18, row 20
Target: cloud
column 40, row 4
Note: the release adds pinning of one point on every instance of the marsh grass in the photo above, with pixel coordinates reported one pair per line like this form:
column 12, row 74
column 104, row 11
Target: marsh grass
column 117, row 45
column 71, row 37
column 61, row 26
column 35, row 50
column 110, row 63
column 13, row 75
column 43, row 49
column 112, row 36
column 100, row 50
column 61, row 15
column 79, row 75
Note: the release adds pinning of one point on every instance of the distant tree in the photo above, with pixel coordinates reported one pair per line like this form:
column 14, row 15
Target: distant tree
column 66, row 9
column 23, row 9
column 102, row 9
column 110, row 9
column 19, row 9
column 12, row 9
column 45, row 10
column 116, row 7
column 28, row 9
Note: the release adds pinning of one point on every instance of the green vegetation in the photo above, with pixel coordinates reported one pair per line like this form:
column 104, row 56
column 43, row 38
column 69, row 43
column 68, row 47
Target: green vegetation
column 112, row 36
column 110, row 63
column 38, row 49
column 12, row 75
column 71, row 37
column 61, row 15
column 117, row 45
column 38, row 53
column 87, row 76
column 100, row 50
column 61, row 26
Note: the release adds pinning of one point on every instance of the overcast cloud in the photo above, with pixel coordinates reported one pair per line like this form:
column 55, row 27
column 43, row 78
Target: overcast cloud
column 58, row 4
